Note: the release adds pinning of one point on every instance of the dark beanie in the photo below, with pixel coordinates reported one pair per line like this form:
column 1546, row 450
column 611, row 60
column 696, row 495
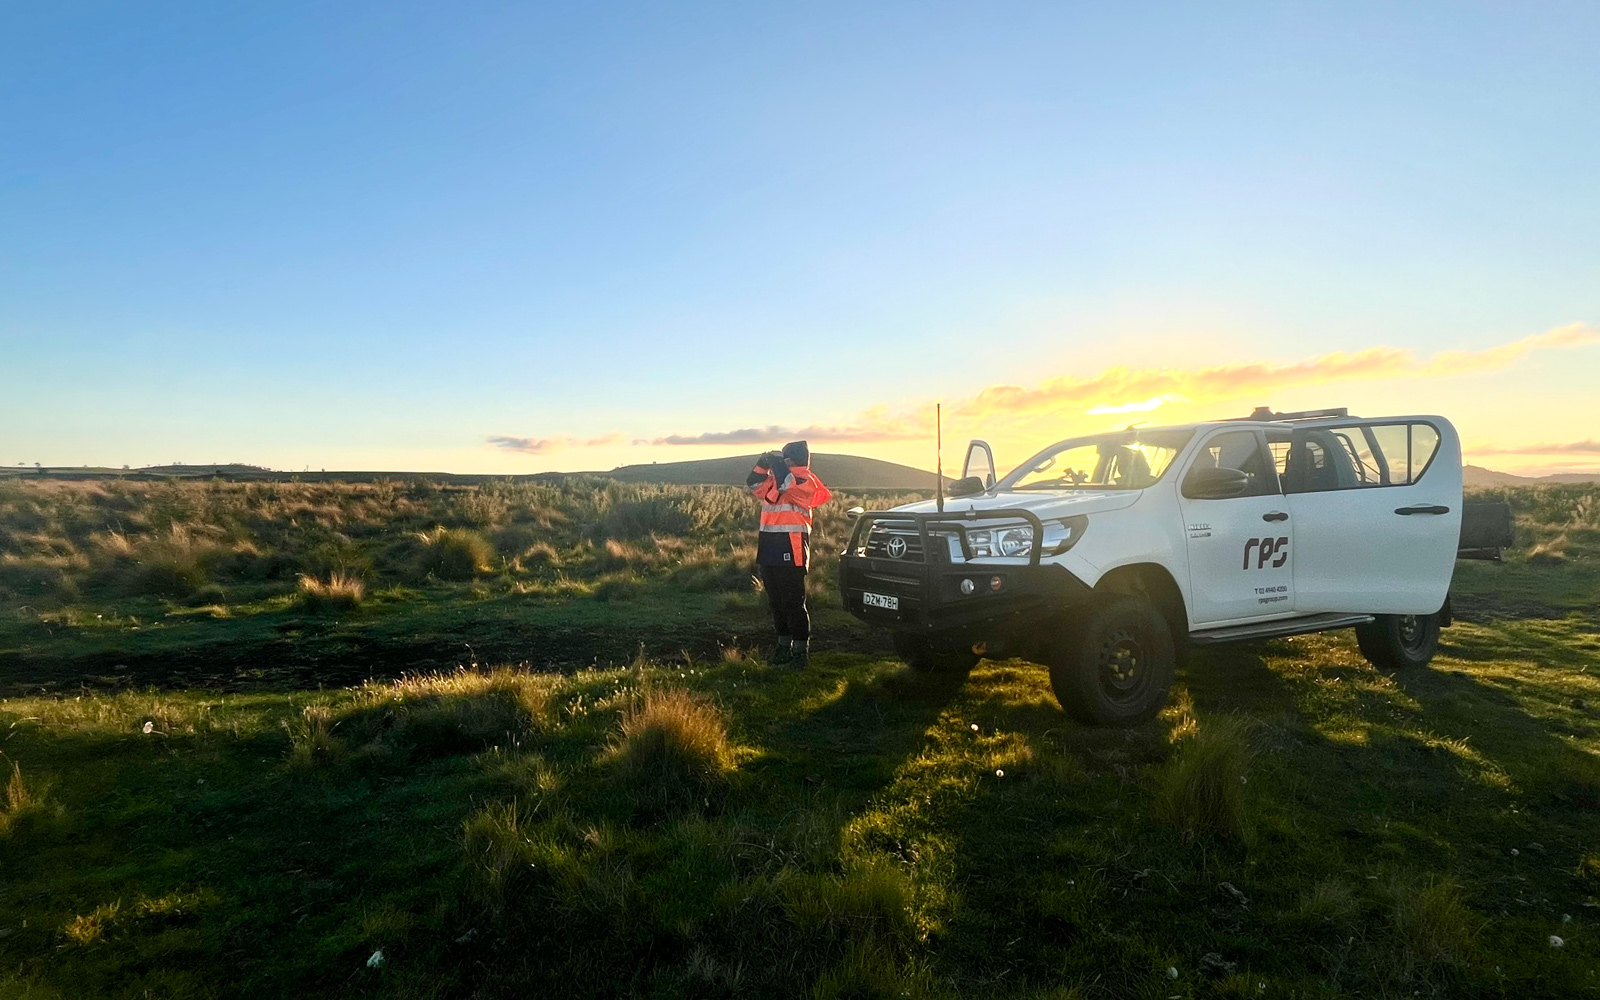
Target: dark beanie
column 796, row 453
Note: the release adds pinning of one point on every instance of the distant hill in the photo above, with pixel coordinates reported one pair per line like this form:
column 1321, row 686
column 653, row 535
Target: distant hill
column 1477, row 476
column 843, row 471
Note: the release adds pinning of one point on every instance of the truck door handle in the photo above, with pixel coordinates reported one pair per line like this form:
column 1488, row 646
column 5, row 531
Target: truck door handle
column 1276, row 515
column 1423, row 509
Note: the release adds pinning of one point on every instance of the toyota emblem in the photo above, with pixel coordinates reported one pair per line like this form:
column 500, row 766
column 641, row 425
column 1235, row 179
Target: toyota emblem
column 896, row 547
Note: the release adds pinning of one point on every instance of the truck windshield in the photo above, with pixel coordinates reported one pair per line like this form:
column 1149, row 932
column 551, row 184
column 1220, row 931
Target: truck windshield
column 1126, row 460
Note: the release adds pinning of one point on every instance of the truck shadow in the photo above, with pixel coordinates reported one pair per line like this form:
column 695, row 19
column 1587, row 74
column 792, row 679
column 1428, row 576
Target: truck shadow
column 1429, row 774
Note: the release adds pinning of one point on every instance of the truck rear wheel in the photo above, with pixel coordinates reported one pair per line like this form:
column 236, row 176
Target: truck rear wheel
column 925, row 657
column 1116, row 663
column 1394, row 642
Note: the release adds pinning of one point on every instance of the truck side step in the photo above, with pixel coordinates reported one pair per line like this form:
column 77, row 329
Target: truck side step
column 1282, row 627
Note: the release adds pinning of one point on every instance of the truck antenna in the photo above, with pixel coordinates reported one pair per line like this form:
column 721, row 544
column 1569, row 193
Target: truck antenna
column 938, row 455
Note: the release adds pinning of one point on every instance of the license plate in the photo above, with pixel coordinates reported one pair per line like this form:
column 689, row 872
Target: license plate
column 885, row 601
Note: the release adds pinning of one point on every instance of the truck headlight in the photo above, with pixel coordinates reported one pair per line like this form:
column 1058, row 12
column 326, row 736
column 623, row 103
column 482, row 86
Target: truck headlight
column 1013, row 541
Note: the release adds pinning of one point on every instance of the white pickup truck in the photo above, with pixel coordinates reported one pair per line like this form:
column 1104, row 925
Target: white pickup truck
column 1104, row 556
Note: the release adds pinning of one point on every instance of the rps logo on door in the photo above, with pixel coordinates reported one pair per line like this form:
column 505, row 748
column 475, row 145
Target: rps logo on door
column 1264, row 549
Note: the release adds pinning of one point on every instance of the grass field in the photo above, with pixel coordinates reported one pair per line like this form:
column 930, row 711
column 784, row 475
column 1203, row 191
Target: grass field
column 235, row 813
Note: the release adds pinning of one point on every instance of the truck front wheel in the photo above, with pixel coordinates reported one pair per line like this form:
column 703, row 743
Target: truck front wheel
column 926, row 658
column 1394, row 642
column 1115, row 664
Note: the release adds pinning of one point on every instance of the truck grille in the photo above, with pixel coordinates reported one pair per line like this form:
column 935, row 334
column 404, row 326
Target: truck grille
column 894, row 540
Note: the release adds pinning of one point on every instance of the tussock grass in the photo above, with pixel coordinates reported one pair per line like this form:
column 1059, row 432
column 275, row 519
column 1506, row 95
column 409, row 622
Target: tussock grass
column 1201, row 788
column 88, row 928
column 870, row 901
column 339, row 592
column 1433, row 921
column 424, row 715
column 311, row 739
column 1551, row 551
column 454, row 553
column 22, row 802
column 672, row 749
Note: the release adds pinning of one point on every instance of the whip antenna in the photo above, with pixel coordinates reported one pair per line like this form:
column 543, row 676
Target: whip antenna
column 938, row 455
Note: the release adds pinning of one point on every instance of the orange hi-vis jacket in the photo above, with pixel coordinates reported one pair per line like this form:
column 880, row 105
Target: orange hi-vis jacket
column 786, row 514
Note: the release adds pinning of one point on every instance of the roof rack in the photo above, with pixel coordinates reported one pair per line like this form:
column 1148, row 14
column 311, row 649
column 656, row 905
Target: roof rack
column 1265, row 413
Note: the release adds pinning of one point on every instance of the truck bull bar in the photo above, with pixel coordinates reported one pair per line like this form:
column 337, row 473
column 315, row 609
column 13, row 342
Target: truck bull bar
column 928, row 594
column 956, row 521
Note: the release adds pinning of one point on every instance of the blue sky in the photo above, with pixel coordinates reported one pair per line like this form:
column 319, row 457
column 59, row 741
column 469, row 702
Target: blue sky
column 380, row 235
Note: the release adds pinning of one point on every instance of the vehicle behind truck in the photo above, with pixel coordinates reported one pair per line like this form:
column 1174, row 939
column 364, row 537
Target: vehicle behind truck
column 1104, row 557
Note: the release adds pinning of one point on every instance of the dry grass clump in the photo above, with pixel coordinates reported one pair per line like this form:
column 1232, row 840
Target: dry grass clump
column 672, row 748
column 20, row 802
column 87, row 928
column 1550, row 552
column 455, row 553
column 428, row 714
column 339, row 592
column 1201, row 787
column 1433, row 921
column 311, row 739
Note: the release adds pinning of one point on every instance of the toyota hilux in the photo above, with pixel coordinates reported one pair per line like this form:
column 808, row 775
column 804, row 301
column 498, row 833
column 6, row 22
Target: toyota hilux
column 1105, row 557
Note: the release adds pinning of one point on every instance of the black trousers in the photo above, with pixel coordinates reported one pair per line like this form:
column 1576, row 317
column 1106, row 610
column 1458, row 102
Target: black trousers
column 786, row 591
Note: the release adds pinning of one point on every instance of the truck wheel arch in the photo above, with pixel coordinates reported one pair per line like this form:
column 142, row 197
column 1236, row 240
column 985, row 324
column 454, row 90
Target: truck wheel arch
column 1155, row 583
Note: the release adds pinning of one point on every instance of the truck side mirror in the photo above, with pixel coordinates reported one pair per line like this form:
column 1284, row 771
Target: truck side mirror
column 1215, row 484
column 855, row 512
column 970, row 486
column 979, row 465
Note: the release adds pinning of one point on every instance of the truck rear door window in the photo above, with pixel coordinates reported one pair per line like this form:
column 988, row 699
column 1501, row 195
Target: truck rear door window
column 1358, row 456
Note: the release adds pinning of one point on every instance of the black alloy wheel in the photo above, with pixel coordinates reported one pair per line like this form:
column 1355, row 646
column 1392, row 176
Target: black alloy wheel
column 1395, row 642
column 1115, row 662
column 1121, row 667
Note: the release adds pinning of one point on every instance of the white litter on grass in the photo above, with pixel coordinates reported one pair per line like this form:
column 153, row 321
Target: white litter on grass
column 1566, row 918
column 974, row 727
column 377, row 960
column 1556, row 942
column 1514, row 852
column 1172, row 972
column 999, row 773
column 149, row 727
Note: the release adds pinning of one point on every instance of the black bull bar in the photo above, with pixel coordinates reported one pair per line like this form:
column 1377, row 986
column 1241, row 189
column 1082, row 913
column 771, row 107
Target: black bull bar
column 928, row 592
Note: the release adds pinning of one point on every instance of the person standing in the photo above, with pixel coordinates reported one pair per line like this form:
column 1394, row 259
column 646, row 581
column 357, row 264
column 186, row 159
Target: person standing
column 789, row 491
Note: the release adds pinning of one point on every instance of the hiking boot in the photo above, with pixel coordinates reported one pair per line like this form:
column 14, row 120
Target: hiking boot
column 801, row 657
column 784, row 653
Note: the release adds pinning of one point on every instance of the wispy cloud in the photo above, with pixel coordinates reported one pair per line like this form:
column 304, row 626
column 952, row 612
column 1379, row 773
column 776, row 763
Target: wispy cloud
column 1140, row 390
column 1123, row 389
column 543, row 446
column 1144, row 407
column 1586, row 447
column 872, row 426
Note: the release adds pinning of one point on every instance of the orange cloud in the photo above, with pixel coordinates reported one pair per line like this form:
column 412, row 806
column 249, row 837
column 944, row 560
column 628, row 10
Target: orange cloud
column 1126, row 390
column 543, row 446
column 1111, row 390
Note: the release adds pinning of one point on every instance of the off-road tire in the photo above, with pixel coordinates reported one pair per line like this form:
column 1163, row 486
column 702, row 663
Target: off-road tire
column 1395, row 642
column 1114, row 663
column 920, row 655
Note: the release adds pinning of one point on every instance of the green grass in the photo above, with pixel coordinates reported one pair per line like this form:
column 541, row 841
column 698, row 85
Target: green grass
column 859, row 831
column 1295, row 824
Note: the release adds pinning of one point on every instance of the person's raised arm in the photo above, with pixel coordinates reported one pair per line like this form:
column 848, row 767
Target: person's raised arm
column 762, row 483
column 807, row 491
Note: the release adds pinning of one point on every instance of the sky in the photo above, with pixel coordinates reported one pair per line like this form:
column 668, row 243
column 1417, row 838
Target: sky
column 505, row 238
